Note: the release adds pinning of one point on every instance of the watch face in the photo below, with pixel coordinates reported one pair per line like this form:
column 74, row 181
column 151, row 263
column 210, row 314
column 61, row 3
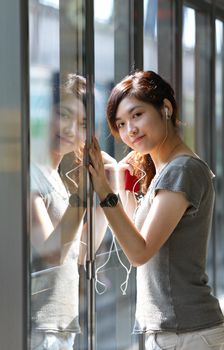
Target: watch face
column 113, row 199
column 110, row 201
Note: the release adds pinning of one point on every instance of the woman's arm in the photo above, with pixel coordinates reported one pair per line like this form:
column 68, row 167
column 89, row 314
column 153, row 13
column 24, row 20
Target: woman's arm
column 165, row 213
column 51, row 243
column 129, row 202
column 101, row 225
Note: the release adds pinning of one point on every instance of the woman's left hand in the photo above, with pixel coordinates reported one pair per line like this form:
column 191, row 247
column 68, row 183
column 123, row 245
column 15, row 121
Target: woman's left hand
column 97, row 170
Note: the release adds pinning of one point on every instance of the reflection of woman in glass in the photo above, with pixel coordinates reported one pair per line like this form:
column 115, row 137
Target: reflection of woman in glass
column 57, row 226
column 167, row 239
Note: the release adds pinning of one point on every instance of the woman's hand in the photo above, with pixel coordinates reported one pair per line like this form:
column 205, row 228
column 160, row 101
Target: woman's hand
column 97, row 171
column 124, row 165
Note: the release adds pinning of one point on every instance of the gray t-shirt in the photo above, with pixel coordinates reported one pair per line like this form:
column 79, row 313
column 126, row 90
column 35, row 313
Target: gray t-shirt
column 55, row 289
column 172, row 290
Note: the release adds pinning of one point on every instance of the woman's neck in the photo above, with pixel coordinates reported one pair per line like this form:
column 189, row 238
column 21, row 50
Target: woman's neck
column 55, row 160
column 166, row 151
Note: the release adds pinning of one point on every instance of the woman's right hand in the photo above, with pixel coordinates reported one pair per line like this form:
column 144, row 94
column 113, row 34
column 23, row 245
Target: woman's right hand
column 124, row 165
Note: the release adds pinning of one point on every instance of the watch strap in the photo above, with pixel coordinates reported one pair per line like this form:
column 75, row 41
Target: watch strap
column 110, row 201
column 75, row 201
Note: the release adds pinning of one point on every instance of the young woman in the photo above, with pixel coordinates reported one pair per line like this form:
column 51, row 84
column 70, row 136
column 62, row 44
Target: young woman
column 166, row 239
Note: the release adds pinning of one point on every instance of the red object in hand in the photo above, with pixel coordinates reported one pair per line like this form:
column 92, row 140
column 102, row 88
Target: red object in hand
column 131, row 182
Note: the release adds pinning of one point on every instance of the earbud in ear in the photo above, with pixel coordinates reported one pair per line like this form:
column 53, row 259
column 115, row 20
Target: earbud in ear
column 167, row 113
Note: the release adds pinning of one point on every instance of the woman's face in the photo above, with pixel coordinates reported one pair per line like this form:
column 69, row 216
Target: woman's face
column 69, row 126
column 140, row 125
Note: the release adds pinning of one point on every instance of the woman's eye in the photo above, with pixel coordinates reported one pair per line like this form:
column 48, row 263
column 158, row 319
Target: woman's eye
column 64, row 115
column 136, row 115
column 120, row 125
column 83, row 125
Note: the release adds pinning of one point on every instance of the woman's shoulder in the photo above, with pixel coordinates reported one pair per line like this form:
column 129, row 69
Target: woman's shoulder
column 191, row 162
column 39, row 182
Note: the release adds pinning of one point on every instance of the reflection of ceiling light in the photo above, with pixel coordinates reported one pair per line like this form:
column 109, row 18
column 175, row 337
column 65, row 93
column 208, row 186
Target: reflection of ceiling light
column 189, row 28
column 219, row 35
column 51, row 3
column 103, row 10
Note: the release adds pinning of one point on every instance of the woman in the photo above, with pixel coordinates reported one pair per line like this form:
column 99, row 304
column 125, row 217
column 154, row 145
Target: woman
column 167, row 238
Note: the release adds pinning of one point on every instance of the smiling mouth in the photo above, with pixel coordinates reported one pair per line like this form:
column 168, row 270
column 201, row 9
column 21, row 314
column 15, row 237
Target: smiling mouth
column 64, row 139
column 138, row 139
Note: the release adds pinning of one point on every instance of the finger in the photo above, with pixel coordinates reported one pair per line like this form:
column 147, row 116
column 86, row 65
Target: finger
column 93, row 148
column 96, row 162
column 126, row 166
column 129, row 157
column 96, row 143
column 109, row 167
column 107, row 158
column 92, row 159
column 92, row 170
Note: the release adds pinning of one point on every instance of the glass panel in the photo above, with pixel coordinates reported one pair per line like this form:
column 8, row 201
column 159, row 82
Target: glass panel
column 57, row 135
column 203, row 86
column 150, row 35
column 203, row 133
column 219, row 218
column 115, row 282
column 188, row 73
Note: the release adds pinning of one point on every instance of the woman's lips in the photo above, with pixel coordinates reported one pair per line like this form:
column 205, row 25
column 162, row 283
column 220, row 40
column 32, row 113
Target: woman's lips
column 138, row 139
column 64, row 139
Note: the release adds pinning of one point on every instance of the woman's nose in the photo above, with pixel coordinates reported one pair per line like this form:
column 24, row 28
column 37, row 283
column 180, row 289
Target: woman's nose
column 70, row 128
column 132, row 129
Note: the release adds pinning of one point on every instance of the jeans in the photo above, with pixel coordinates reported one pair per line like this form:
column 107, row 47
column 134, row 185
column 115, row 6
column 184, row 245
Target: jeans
column 52, row 341
column 206, row 339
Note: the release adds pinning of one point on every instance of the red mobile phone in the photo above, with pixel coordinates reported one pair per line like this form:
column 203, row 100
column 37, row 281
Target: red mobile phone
column 131, row 182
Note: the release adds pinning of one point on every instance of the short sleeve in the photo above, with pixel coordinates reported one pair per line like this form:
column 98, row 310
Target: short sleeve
column 38, row 182
column 190, row 178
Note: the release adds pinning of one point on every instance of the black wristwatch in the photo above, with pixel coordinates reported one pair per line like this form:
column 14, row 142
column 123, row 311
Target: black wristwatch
column 75, row 201
column 111, row 200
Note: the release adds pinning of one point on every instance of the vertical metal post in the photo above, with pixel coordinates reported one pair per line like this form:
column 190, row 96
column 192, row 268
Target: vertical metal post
column 166, row 40
column 128, row 37
column 141, row 341
column 202, row 84
column 136, row 39
column 222, row 161
column 211, row 156
column 25, row 162
column 89, row 58
column 122, row 51
column 137, row 19
column 13, row 174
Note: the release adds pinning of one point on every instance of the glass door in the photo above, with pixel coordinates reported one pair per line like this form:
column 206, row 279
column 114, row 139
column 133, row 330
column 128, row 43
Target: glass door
column 58, row 190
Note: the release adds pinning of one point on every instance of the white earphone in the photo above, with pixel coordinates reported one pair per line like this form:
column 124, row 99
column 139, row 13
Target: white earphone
column 167, row 113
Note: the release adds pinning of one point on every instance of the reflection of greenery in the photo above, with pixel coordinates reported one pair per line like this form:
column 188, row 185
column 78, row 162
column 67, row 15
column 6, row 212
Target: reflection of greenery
column 38, row 128
column 188, row 120
column 188, row 136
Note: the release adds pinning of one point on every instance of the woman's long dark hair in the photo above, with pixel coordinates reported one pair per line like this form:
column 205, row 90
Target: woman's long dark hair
column 149, row 87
